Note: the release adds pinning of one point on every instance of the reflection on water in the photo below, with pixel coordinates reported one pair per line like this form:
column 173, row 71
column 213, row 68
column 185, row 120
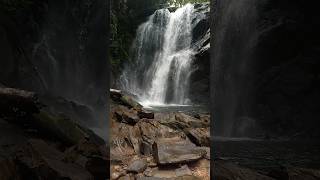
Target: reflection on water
column 262, row 154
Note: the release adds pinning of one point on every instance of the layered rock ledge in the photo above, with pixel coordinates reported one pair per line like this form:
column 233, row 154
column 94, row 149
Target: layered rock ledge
column 38, row 144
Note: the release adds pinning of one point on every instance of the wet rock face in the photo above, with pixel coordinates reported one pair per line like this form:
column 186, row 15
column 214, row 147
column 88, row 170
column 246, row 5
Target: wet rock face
column 199, row 80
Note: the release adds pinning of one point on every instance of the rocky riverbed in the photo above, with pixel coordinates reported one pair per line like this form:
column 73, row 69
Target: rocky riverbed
column 157, row 145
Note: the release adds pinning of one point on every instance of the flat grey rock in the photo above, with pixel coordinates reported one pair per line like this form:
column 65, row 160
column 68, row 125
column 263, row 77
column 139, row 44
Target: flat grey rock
column 173, row 151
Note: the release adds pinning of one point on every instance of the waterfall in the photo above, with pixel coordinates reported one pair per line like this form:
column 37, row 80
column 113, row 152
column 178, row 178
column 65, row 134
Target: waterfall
column 161, row 58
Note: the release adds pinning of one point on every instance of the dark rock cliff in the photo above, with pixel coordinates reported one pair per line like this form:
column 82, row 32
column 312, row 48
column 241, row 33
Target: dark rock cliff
column 200, row 78
column 265, row 60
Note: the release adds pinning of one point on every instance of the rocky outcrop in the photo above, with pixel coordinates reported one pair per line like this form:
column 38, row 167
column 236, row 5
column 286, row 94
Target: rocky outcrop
column 42, row 145
column 82, row 113
column 199, row 79
column 156, row 144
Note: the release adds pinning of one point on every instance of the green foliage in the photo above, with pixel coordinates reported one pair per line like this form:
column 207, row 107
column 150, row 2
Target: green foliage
column 121, row 35
column 126, row 16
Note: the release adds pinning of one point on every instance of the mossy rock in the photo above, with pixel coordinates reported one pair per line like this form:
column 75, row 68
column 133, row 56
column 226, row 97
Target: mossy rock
column 61, row 128
column 130, row 102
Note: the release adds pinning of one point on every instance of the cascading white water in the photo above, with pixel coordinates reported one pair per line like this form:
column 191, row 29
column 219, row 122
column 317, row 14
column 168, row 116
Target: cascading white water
column 162, row 55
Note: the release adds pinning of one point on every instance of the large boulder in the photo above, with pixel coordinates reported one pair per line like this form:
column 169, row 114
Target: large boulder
column 62, row 128
column 172, row 151
column 81, row 113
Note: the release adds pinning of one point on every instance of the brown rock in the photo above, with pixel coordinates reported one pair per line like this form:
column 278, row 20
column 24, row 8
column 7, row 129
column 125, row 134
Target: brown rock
column 173, row 150
column 169, row 173
column 145, row 114
column 137, row 166
column 187, row 121
column 180, row 121
column 125, row 115
column 183, row 171
column 153, row 130
column 199, row 136
column 9, row 170
column 127, row 177
column 125, row 140
column 205, row 118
